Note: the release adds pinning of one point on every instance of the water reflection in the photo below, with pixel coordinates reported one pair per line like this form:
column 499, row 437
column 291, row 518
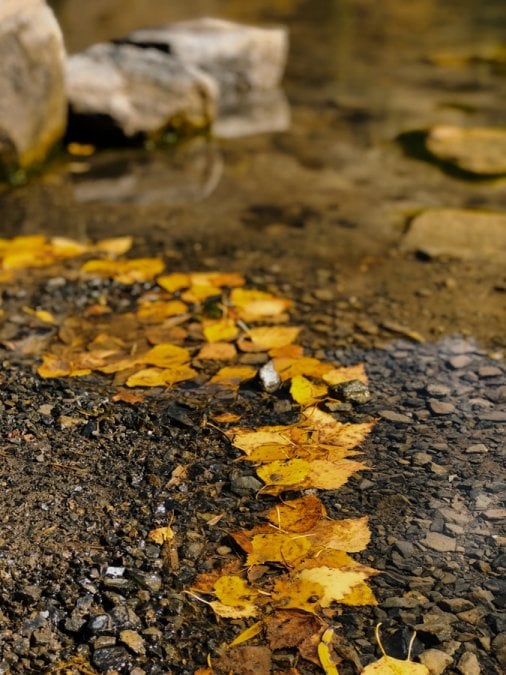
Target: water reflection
column 187, row 174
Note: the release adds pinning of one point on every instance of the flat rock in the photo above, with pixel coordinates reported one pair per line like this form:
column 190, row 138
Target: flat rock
column 393, row 416
column 481, row 150
column 457, row 233
column 441, row 407
column 136, row 91
column 33, row 107
column 239, row 58
column 439, row 542
column 477, row 449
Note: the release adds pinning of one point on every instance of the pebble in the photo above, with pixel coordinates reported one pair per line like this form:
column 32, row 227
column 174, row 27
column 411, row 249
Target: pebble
column 493, row 416
column 440, row 542
column 437, row 390
column 460, row 361
column 111, row 658
column 441, row 407
column 494, row 514
column 455, row 605
column 393, row 416
column 468, row 664
column 499, row 648
column 479, row 448
column 472, row 616
column 489, row 371
column 133, row 641
column 435, row 660
column 421, row 458
column 245, row 485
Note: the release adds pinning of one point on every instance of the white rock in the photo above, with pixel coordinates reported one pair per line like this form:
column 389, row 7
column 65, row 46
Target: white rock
column 436, row 661
column 141, row 90
column 240, row 58
column 33, row 107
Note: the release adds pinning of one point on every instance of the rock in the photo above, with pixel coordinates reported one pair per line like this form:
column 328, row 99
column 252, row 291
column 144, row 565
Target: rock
column 393, row 416
column 269, row 377
column 123, row 90
column 479, row 448
column 489, row 371
column 499, row 648
column 468, row 664
column 244, row 485
column 458, row 233
column 133, row 641
column 460, row 361
column 437, row 390
column 480, row 150
column 439, row 542
column 455, row 605
column 238, row 58
column 33, row 107
column 435, row 660
column 441, row 407
column 111, row 658
column 258, row 112
column 353, row 391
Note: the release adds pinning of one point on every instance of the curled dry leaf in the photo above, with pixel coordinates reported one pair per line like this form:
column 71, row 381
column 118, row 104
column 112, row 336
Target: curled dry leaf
column 137, row 270
column 232, row 376
column 325, row 654
column 253, row 305
column 264, row 338
column 305, row 392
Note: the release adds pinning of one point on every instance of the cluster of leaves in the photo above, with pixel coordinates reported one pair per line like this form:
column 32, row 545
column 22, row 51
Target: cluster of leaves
column 297, row 572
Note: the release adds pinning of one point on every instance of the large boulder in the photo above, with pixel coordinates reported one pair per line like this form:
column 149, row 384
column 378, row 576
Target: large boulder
column 135, row 92
column 33, row 106
column 240, row 58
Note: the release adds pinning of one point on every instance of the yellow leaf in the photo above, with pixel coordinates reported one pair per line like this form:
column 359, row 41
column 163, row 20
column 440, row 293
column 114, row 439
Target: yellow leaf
column 161, row 535
column 345, row 374
column 387, row 665
column 220, row 279
column 253, row 305
column 156, row 312
column 158, row 377
column 226, row 418
column 125, row 271
column 67, row 248
column 294, row 593
column 220, row 331
column 324, row 653
column 264, row 338
column 247, row 634
column 279, row 476
column 233, row 591
column 349, row 534
column 81, row 149
column 217, row 351
column 277, row 547
column 304, row 392
column 232, row 376
column 326, row 475
column 174, row 282
column 198, row 293
column 336, row 583
column 289, row 367
column 297, row 515
column 165, row 355
column 229, row 612
column 53, row 366
column 114, row 245
column 41, row 314
column 247, row 440
column 359, row 596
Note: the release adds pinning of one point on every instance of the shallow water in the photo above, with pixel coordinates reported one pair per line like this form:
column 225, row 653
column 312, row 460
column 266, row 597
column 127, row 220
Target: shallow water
column 335, row 190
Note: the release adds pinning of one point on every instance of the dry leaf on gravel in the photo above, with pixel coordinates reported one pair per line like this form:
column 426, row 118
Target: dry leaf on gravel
column 232, row 376
column 248, row 634
column 137, row 270
column 278, row 547
column 253, row 305
column 161, row 377
column 327, row 658
column 217, row 351
column 387, row 665
column 263, row 338
column 304, row 392
column 297, row 515
column 221, row 330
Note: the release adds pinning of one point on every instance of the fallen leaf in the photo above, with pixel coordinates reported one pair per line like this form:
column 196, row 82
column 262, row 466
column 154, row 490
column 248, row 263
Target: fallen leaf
column 244, row 660
column 41, row 314
column 304, row 392
column 360, row 595
column 232, row 376
column 221, row 330
column 226, row 418
column 387, row 665
column 230, row 612
column 325, row 655
column 217, row 351
column 137, row 270
column 53, row 366
column 114, row 246
column 299, row 474
column 234, row 591
column 349, row 534
column 345, row 374
column 277, row 547
column 159, row 377
column 248, row 634
column 279, row 476
column 253, row 305
column 174, row 282
column 156, row 312
column 336, row 583
column 128, row 397
column 161, row 535
column 289, row 367
column 286, row 629
column 264, row 338
column 165, row 355
column 297, row 515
